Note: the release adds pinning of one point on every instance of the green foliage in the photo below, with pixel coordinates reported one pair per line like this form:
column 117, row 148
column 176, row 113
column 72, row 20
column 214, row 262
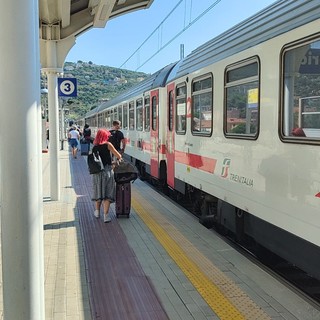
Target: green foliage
column 95, row 83
column 240, row 128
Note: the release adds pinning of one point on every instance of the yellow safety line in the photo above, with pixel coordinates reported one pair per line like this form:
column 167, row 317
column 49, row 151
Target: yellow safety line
column 210, row 293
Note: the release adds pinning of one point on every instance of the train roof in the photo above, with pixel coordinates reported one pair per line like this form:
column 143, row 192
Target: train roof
column 276, row 19
column 157, row 79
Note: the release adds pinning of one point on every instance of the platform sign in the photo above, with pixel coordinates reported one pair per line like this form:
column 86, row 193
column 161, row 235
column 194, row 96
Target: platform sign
column 67, row 87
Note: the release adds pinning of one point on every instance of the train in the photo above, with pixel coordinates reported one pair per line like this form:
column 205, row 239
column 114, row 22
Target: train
column 235, row 126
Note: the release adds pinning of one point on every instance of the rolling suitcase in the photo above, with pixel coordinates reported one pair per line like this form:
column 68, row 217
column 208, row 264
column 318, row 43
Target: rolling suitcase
column 123, row 199
column 84, row 148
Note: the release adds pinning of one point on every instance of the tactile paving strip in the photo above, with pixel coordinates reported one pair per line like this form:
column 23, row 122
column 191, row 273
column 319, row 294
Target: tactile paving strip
column 225, row 298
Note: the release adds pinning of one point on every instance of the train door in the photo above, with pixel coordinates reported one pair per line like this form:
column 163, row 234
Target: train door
column 170, row 135
column 154, row 134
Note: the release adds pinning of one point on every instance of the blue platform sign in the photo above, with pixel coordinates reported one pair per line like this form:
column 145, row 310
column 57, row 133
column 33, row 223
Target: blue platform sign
column 67, row 87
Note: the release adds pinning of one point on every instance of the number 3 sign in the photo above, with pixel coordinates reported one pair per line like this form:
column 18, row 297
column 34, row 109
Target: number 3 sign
column 67, row 87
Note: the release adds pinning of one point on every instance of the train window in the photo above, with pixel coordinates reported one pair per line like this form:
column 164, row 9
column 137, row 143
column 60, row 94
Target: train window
column 120, row 114
column 94, row 122
column 108, row 120
column 147, row 113
column 115, row 114
column 181, row 108
column 139, row 115
column 154, row 113
column 170, row 110
column 202, row 108
column 242, row 99
column 131, row 115
column 125, row 117
column 109, row 126
column 300, row 112
column 100, row 120
column 103, row 119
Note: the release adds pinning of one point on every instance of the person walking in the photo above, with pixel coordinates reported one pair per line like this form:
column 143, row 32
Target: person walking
column 73, row 137
column 103, row 182
column 117, row 137
column 86, row 141
column 87, row 133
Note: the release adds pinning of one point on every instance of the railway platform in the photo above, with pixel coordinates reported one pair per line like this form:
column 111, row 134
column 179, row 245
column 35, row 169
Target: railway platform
column 158, row 264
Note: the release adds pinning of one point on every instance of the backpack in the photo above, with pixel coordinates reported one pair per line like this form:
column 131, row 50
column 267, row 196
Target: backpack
column 115, row 138
column 124, row 172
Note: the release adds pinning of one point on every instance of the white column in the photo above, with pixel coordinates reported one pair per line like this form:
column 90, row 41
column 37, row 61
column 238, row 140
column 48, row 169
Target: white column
column 53, row 107
column 40, row 185
column 20, row 165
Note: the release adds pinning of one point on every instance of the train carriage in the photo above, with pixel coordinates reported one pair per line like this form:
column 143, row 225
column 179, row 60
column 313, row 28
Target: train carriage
column 139, row 110
column 235, row 126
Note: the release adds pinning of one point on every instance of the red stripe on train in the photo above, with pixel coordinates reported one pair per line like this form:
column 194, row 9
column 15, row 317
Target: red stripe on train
column 196, row 161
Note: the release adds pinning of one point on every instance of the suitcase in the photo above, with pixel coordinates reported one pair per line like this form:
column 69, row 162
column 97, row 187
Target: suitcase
column 84, row 148
column 123, row 199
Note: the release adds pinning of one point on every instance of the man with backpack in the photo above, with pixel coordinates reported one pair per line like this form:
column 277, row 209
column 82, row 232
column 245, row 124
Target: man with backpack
column 117, row 137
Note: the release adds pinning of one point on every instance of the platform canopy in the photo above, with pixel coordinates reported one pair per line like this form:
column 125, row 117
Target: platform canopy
column 64, row 20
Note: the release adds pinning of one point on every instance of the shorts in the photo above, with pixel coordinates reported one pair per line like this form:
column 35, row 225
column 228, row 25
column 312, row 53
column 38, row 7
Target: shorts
column 73, row 143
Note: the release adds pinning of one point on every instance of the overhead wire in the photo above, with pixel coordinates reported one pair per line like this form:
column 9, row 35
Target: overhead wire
column 152, row 33
column 174, row 37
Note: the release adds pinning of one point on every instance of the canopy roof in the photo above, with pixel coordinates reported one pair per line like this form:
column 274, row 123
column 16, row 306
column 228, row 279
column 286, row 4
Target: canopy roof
column 71, row 17
column 61, row 21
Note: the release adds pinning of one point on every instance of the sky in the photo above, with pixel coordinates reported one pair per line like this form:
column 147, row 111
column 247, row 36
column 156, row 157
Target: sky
column 149, row 39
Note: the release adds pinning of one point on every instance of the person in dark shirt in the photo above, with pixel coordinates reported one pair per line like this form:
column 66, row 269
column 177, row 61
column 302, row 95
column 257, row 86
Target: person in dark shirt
column 87, row 134
column 117, row 137
column 103, row 182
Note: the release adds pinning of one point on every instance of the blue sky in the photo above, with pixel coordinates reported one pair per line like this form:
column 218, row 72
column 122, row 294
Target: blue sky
column 114, row 44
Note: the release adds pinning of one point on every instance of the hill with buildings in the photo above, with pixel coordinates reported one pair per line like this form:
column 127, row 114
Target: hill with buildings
column 95, row 84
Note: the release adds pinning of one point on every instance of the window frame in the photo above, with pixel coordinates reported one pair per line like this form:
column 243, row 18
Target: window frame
column 170, row 107
column 138, row 110
column 125, row 116
column 146, row 113
column 131, row 110
column 154, row 113
column 283, row 137
column 199, row 93
column 180, row 97
column 119, row 112
column 243, row 81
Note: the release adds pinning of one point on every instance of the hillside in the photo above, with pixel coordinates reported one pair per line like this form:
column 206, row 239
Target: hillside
column 95, row 83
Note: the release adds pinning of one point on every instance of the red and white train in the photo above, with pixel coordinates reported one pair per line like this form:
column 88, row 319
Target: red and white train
column 236, row 126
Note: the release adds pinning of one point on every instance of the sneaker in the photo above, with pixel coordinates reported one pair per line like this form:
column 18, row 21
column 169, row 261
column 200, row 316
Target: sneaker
column 106, row 218
column 96, row 213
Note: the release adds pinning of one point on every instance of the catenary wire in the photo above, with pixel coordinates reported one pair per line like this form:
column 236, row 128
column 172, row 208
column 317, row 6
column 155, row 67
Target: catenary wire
column 173, row 38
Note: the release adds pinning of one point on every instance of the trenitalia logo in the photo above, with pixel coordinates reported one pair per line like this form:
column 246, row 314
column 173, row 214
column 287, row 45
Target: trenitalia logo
column 226, row 174
column 225, row 168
